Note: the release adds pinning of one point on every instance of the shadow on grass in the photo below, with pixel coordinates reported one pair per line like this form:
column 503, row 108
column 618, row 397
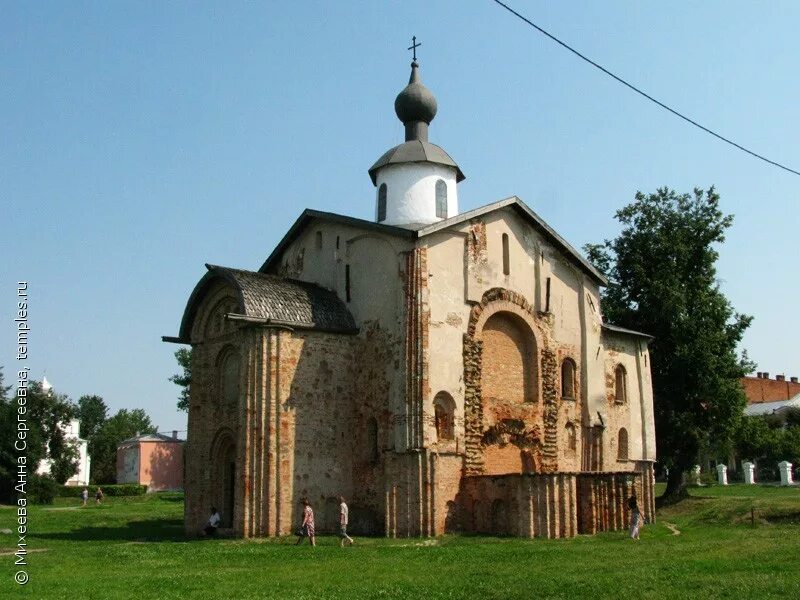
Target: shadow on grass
column 170, row 496
column 154, row 530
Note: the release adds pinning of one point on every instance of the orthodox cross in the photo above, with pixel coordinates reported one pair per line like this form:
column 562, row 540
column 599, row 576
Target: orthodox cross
column 414, row 45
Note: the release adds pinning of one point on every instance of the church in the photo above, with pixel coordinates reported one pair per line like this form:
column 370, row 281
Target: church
column 444, row 371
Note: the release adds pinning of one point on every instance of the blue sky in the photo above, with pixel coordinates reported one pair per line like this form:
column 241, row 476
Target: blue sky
column 141, row 140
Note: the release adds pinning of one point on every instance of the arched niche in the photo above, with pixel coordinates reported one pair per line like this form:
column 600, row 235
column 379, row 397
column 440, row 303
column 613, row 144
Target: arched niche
column 222, row 471
column 227, row 371
column 509, row 370
column 444, row 408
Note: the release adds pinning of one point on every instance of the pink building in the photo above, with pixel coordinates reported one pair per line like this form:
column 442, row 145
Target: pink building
column 152, row 459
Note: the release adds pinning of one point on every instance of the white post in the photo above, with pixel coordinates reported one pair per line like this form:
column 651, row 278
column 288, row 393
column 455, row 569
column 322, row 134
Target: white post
column 749, row 472
column 696, row 472
column 786, row 472
column 722, row 474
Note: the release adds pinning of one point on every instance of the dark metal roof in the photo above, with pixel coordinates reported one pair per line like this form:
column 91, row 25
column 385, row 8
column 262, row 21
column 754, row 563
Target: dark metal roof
column 417, row 232
column 308, row 215
column 413, row 152
column 616, row 329
column 270, row 298
column 151, row 437
column 415, row 102
column 531, row 217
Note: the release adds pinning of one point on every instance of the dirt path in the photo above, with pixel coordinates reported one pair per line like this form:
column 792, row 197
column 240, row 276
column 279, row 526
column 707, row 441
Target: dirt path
column 30, row 551
column 672, row 528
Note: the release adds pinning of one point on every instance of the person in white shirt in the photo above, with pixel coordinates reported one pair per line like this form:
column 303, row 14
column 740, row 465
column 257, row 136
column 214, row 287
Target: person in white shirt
column 344, row 514
column 213, row 523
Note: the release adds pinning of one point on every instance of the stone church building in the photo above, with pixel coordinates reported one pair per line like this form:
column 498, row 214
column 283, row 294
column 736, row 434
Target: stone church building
column 444, row 371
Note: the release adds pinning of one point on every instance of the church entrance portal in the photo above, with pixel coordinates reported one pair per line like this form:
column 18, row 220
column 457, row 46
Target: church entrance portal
column 223, row 472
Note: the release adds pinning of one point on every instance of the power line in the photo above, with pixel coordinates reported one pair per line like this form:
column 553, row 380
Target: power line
column 641, row 93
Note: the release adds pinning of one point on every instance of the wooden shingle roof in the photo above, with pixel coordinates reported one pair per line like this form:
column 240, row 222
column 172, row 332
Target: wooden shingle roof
column 273, row 299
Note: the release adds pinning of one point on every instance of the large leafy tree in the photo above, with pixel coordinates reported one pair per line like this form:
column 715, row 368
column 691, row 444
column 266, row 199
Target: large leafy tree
column 48, row 414
column 8, row 435
column 663, row 281
column 184, row 380
column 103, row 444
column 92, row 412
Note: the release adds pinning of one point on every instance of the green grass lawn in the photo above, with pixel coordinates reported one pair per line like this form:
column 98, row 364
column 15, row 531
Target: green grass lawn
column 135, row 548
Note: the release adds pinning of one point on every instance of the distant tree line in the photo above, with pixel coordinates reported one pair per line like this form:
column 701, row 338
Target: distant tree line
column 48, row 414
column 767, row 440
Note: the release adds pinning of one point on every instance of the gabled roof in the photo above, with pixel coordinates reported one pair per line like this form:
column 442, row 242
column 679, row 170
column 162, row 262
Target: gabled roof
column 622, row 330
column 415, row 151
column 529, row 216
column 270, row 298
column 768, row 408
column 309, row 215
column 151, row 437
column 418, row 232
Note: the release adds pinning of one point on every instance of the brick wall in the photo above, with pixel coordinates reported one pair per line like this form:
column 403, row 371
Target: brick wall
column 764, row 389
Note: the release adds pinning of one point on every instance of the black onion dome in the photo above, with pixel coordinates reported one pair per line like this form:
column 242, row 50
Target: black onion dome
column 415, row 102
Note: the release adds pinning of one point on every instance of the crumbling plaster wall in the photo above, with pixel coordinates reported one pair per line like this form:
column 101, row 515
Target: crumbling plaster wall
column 478, row 247
column 376, row 266
column 636, row 413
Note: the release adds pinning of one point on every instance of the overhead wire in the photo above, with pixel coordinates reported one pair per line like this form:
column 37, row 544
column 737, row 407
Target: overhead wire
column 645, row 94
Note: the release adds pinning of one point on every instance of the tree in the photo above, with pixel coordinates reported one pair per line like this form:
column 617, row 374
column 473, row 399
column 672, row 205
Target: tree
column 8, row 435
column 103, row 445
column 49, row 414
column 184, row 358
column 769, row 439
column 92, row 412
column 662, row 281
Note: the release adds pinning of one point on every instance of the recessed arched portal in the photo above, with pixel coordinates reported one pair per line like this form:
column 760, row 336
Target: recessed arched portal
column 509, row 372
column 223, row 475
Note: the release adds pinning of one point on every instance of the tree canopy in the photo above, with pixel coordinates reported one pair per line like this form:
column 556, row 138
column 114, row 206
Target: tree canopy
column 92, row 413
column 103, row 443
column 48, row 413
column 769, row 439
column 184, row 358
column 663, row 281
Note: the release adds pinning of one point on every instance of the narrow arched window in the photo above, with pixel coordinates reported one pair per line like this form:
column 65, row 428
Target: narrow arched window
column 444, row 409
column 572, row 436
column 372, row 440
column 620, row 385
column 622, row 444
column 319, row 240
column 568, row 378
column 382, row 203
column 441, row 199
column 506, row 258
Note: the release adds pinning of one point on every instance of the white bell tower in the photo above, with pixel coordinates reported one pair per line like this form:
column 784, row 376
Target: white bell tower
column 415, row 182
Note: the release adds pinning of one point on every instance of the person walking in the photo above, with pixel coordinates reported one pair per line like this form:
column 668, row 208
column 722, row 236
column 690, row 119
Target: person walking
column 343, row 519
column 307, row 527
column 636, row 517
column 98, row 495
column 85, row 495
